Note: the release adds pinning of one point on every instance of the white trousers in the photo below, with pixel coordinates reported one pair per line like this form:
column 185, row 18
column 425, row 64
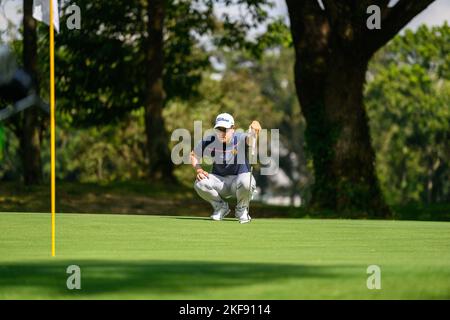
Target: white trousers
column 216, row 189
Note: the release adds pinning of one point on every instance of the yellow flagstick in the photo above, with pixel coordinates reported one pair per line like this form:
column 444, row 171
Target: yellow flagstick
column 52, row 126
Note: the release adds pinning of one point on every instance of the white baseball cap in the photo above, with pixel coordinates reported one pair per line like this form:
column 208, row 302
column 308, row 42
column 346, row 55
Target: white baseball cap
column 224, row 120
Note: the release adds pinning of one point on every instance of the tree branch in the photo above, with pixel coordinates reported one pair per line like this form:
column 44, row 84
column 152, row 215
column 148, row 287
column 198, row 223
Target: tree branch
column 331, row 11
column 393, row 20
column 311, row 36
column 308, row 22
column 347, row 18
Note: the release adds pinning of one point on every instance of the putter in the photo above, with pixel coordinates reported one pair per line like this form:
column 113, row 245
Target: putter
column 252, row 152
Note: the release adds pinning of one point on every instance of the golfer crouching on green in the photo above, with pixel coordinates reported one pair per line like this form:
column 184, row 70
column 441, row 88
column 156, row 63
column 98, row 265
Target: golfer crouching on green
column 231, row 174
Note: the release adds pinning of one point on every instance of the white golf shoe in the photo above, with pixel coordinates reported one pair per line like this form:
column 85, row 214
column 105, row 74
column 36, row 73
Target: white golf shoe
column 243, row 216
column 221, row 211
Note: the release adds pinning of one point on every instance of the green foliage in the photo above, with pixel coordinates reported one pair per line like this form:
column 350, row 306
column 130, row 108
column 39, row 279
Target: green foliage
column 10, row 164
column 233, row 29
column 100, row 82
column 2, row 139
column 408, row 103
column 276, row 36
column 101, row 73
column 99, row 154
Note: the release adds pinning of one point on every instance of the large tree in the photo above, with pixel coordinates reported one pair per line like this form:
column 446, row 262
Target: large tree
column 28, row 130
column 27, row 125
column 333, row 46
column 158, row 153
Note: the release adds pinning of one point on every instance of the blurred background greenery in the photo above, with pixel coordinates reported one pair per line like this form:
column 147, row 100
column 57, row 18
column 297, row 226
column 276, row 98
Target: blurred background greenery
column 217, row 65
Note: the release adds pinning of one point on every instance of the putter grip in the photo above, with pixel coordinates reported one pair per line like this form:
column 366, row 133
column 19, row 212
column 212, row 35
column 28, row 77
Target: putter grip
column 253, row 146
column 252, row 136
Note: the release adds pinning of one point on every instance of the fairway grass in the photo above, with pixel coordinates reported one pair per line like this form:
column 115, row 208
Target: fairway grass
column 156, row 257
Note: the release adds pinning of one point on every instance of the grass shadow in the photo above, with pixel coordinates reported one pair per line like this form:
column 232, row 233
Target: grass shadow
column 161, row 278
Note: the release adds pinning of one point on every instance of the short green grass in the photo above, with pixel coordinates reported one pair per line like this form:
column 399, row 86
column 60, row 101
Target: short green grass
column 155, row 257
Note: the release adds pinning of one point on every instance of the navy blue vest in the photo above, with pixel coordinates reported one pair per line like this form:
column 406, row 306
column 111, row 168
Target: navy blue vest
column 226, row 155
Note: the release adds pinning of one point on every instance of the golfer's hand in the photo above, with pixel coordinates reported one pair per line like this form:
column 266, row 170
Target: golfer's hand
column 256, row 127
column 201, row 174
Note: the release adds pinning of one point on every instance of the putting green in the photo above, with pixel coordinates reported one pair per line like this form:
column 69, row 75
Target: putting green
column 155, row 257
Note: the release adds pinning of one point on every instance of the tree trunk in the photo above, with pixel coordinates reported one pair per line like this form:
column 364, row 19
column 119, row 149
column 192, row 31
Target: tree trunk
column 333, row 46
column 330, row 77
column 338, row 136
column 158, row 153
column 30, row 144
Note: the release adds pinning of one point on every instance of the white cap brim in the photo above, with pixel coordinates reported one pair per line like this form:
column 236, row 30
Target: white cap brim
column 223, row 124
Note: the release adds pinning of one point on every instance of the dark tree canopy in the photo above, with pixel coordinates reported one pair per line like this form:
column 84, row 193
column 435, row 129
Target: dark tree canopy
column 101, row 67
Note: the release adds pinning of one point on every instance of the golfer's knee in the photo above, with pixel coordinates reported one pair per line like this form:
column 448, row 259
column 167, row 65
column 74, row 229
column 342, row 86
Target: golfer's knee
column 244, row 183
column 203, row 185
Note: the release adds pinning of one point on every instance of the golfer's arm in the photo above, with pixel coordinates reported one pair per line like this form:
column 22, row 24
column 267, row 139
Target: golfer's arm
column 247, row 140
column 195, row 161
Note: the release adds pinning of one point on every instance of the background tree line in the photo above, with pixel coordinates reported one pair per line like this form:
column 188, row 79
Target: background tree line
column 125, row 81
